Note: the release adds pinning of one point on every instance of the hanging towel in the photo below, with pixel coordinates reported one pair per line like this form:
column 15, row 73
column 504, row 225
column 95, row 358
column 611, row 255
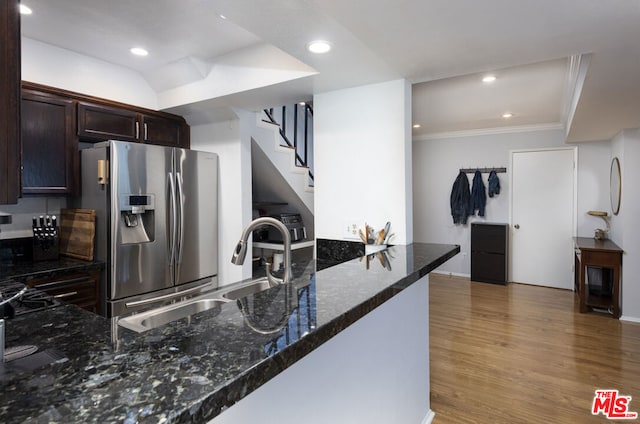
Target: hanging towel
column 478, row 196
column 460, row 199
column 494, row 184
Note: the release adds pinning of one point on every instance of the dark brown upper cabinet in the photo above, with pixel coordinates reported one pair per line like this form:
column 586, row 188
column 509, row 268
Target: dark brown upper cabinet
column 54, row 121
column 49, row 144
column 9, row 102
column 100, row 122
column 164, row 131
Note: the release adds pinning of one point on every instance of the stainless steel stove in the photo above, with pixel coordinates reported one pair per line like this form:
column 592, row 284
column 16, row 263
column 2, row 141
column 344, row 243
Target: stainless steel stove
column 26, row 299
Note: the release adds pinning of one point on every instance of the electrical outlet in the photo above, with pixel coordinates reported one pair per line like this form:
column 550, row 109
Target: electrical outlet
column 351, row 231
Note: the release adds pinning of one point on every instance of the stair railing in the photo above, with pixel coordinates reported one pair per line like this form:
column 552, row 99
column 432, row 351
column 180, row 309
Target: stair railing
column 307, row 138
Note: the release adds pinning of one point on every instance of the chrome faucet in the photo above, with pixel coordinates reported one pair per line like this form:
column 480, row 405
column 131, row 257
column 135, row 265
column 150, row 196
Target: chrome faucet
column 240, row 252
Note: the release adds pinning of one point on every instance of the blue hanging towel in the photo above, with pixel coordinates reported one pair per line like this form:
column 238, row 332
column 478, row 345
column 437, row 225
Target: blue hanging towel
column 494, row 184
column 478, row 196
column 460, row 199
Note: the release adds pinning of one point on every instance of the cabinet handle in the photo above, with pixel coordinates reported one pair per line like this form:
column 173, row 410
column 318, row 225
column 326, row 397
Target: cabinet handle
column 61, row 282
column 145, row 132
column 137, row 130
column 63, row 295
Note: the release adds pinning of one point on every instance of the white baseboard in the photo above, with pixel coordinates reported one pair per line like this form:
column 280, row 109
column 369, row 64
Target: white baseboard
column 450, row 274
column 429, row 417
column 629, row 319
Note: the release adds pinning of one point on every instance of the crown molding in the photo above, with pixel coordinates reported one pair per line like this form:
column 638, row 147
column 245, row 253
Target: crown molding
column 490, row 131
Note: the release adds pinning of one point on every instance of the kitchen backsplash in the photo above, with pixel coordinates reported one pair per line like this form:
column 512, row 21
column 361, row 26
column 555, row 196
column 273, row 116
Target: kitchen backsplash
column 25, row 210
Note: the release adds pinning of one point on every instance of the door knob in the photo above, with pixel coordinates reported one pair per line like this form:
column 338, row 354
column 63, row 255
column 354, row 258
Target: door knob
column 516, row 226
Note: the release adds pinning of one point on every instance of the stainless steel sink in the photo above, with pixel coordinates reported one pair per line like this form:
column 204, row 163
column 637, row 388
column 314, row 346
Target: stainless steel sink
column 160, row 316
column 154, row 318
column 245, row 289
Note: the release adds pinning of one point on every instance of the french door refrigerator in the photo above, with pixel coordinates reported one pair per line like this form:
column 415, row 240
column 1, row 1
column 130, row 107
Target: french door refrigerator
column 156, row 221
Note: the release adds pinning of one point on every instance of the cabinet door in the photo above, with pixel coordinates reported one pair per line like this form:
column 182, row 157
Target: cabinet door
column 489, row 238
column 101, row 123
column 9, row 102
column 49, row 145
column 165, row 131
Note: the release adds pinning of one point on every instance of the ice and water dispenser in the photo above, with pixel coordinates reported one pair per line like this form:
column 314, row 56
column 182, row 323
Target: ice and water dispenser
column 137, row 218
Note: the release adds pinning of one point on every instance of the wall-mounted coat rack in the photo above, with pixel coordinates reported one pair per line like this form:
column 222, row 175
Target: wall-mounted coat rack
column 482, row 170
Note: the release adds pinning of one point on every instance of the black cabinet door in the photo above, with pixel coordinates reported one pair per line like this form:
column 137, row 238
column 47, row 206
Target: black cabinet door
column 101, row 123
column 49, row 145
column 9, row 102
column 165, row 131
column 489, row 237
column 489, row 245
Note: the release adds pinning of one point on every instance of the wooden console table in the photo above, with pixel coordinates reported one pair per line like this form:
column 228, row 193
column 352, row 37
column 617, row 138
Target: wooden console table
column 607, row 256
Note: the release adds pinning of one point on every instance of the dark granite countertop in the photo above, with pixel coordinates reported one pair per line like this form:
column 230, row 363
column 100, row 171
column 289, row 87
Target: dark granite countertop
column 192, row 369
column 21, row 271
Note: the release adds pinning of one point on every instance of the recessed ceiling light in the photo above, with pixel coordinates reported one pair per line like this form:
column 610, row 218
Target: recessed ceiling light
column 138, row 51
column 489, row 79
column 222, row 16
column 416, row 125
column 25, row 10
column 507, row 115
column 319, row 46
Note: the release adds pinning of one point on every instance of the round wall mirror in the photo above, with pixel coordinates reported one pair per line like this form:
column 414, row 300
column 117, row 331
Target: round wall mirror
column 615, row 186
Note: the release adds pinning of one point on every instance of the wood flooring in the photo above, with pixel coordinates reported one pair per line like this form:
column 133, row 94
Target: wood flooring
column 524, row 354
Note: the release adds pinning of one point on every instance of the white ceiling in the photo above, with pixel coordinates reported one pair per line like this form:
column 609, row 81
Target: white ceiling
column 442, row 46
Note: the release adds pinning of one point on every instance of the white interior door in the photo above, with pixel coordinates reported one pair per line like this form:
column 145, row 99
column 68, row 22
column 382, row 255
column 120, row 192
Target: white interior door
column 542, row 217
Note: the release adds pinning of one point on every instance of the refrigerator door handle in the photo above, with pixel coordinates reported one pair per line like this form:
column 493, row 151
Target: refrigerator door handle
column 173, row 220
column 180, row 228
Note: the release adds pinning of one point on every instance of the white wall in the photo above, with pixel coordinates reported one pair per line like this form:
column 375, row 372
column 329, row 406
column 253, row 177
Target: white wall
column 49, row 65
column 593, row 185
column 362, row 151
column 436, row 164
column 625, row 231
column 234, row 179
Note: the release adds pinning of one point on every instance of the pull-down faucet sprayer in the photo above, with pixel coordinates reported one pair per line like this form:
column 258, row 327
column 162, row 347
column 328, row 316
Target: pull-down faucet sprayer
column 240, row 251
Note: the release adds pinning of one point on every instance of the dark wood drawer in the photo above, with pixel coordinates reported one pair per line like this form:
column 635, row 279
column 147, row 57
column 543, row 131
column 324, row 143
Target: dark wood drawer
column 79, row 288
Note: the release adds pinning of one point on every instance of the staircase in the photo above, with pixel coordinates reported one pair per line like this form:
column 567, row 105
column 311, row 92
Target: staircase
column 296, row 132
column 285, row 135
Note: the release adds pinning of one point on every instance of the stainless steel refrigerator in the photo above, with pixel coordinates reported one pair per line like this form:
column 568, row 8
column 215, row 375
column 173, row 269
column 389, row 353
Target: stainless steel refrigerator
column 156, row 221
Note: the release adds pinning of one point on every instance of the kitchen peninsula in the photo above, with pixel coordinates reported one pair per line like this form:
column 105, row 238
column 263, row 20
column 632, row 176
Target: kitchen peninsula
column 228, row 364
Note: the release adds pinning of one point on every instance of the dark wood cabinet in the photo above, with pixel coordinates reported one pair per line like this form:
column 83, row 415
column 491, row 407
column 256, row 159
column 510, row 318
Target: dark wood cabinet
column 49, row 144
column 489, row 247
column 78, row 287
column 9, row 102
column 54, row 121
column 99, row 123
column 164, row 131
column 598, row 266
